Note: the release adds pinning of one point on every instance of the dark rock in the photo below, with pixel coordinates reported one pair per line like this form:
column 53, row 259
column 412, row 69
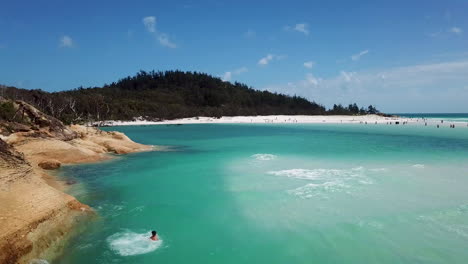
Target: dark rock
column 10, row 155
column 70, row 182
column 50, row 164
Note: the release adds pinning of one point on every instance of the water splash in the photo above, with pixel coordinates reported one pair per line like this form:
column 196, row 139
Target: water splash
column 128, row 243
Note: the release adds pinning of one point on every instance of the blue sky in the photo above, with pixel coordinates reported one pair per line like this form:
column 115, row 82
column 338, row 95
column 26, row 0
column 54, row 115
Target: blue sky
column 403, row 56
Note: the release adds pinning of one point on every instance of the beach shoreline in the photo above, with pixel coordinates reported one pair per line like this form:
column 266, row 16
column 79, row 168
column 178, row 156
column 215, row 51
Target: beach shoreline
column 284, row 119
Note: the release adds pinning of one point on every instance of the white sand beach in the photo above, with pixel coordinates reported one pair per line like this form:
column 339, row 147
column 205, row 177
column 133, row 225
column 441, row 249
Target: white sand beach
column 284, row 119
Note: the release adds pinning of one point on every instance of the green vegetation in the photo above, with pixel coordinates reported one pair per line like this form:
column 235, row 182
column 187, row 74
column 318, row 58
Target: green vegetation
column 169, row 95
column 352, row 109
column 7, row 110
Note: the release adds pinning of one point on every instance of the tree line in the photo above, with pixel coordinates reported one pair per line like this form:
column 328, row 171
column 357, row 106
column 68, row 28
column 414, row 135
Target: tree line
column 170, row 95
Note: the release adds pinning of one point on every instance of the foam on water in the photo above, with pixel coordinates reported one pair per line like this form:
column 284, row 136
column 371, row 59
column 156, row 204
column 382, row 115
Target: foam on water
column 38, row 261
column 418, row 166
column 325, row 180
column 378, row 169
column 137, row 209
column 371, row 223
column 448, row 221
column 264, row 156
column 318, row 174
column 84, row 246
column 128, row 243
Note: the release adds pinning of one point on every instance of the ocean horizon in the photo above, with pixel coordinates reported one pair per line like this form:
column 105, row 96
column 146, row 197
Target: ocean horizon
column 455, row 117
column 277, row 193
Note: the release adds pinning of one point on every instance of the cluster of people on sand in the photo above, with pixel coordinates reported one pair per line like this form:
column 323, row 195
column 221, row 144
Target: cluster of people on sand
column 417, row 120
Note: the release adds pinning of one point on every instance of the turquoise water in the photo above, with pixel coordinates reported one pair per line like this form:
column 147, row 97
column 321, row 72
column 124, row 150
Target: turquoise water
column 457, row 117
column 279, row 194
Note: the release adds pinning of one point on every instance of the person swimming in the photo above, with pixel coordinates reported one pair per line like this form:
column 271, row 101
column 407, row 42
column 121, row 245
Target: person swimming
column 154, row 236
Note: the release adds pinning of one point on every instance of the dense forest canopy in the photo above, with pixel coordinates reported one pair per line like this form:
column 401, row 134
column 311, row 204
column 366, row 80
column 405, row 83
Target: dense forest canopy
column 169, row 95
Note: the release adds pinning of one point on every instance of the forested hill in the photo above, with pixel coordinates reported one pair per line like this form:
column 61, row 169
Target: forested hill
column 169, row 95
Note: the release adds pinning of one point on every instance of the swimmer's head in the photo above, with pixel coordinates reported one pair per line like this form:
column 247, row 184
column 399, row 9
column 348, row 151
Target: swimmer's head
column 153, row 233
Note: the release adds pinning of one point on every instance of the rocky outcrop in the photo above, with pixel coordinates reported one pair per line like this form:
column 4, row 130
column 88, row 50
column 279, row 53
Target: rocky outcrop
column 90, row 145
column 33, row 123
column 50, row 164
column 35, row 213
column 10, row 156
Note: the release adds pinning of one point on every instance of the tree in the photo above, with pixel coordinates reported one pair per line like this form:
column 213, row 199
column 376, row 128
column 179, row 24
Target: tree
column 160, row 95
column 372, row 110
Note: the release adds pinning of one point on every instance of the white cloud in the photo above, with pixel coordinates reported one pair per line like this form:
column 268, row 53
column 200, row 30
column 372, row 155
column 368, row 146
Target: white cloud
column 66, row 42
column 150, row 23
column 358, row 56
column 452, row 30
column 165, row 41
column 434, row 34
column 266, row 60
column 310, row 79
column 241, row 70
column 227, row 76
column 270, row 57
column 456, row 30
column 348, row 76
column 436, row 87
column 304, row 28
column 309, row 64
column 163, row 38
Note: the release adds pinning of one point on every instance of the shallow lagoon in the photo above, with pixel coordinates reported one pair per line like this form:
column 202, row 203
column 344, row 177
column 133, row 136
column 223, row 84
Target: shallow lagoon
column 293, row 193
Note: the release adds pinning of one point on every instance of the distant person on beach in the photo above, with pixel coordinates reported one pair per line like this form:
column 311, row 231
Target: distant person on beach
column 154, row 236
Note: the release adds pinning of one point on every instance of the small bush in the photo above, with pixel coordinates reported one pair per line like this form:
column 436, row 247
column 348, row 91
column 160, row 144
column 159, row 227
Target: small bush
column 7, row 111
